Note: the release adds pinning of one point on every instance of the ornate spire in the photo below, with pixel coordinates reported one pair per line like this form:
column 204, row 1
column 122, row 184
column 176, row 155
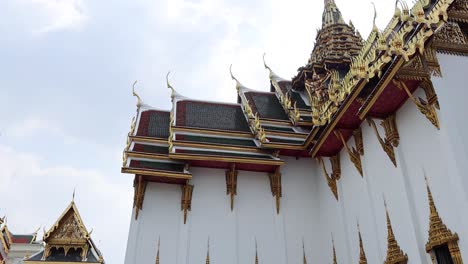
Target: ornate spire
column 331, row 14
column 157, row 254
column 362, row 253
column 394, row 253
column 439, row 234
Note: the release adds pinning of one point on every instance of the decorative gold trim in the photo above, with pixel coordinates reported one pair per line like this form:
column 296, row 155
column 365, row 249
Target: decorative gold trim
column 424, row 107
column 140, row 139
column 439, row 234
column 231, row 183
column 431, row 94
column 451, row 39
column 335, row 175
column 146, row 155
column 275, row 186
column 215, row 132
column 249, row 160
column 394, row 253
column 165, row 174
column 190, row 144
column 385, row 143
column 353, row 153
column 186, row 201
column 139, row 194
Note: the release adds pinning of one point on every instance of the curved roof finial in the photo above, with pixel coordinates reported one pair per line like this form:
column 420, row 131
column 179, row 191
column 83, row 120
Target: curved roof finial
column 73, row 196
column 139, row 102
column 267, row 67
column 238, row 84
column 173, row 92
column 375, row 17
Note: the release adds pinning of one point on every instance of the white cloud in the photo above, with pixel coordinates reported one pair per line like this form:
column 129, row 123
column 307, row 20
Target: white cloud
column 43, row 16
column 32, row 126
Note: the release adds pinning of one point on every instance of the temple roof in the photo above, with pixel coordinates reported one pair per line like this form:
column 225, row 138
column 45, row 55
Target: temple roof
column 68, row 240
column 331, row 14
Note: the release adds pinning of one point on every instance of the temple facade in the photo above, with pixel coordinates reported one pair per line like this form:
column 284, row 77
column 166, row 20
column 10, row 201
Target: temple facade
column 67, row 241
column 360, row 158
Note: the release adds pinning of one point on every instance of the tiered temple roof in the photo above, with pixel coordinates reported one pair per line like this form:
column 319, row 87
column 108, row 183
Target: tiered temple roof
column 345, row 81
column 68, row 241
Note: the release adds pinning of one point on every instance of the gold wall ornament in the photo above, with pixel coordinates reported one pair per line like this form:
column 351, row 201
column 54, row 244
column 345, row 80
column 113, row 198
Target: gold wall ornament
column 439, row 234
column 157, row 254
column 186, row 201
column 275, row 186
column 391, row 130
column 394, row 253
column 256, row 252
column 139, row 186
column 424, row 107
column 430, row 92
column 385, row 143
column 362, row 253
column 357, row 134
column 335, row 175
column 334, row 252
column 207, row 261
column 231, row 183
column 303, row 253
column 451, row 39
column 432, row 62
column 353, row 153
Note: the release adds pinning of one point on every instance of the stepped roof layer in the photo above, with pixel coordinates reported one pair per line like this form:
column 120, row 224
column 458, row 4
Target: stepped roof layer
column 345, row 81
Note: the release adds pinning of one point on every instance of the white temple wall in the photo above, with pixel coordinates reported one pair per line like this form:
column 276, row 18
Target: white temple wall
column 309, row 211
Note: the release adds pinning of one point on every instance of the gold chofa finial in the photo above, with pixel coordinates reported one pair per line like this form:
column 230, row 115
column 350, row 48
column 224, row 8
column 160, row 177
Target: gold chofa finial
column 267, row 67
column 173, row 92
column 238, row 84
column 397, row 9
column 375, row 18
column 139, row 102
column 73, row 196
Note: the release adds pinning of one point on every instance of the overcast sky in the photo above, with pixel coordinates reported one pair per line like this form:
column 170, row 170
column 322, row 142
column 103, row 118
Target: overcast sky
column 66, row 69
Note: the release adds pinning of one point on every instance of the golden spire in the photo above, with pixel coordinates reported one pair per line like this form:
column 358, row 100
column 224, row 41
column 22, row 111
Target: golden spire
column 157, row 254
column 397, row 9
column 139, row 101
column 362, row 253
column 394, row 253
column 439, row 234
column 208, row 252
